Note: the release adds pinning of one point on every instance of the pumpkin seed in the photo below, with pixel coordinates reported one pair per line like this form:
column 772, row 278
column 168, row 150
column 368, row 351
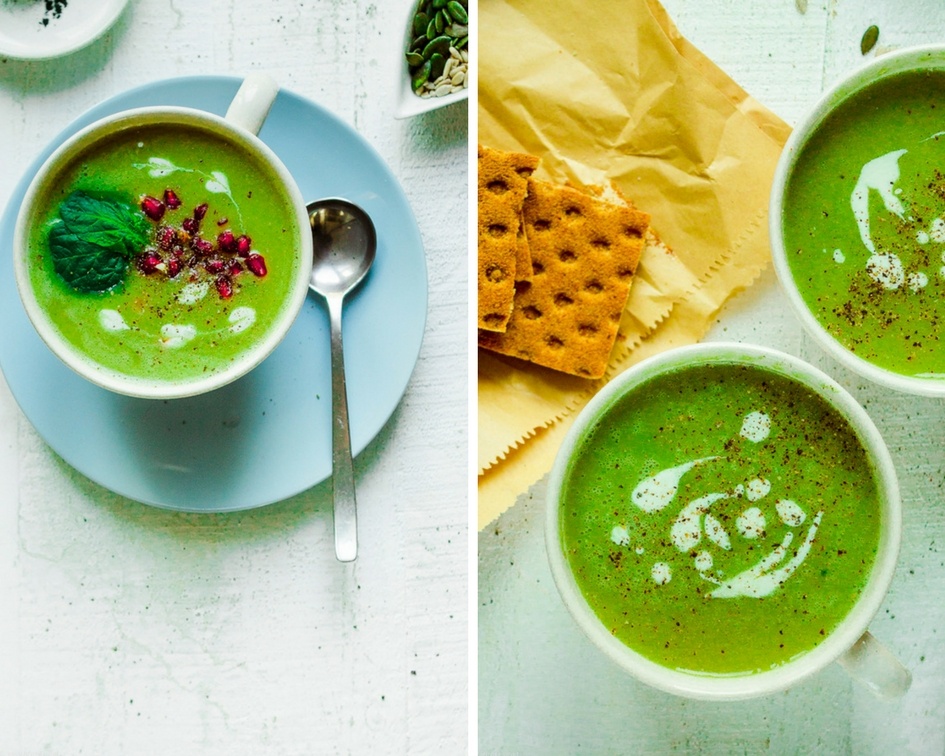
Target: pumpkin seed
column 461, row 43
column 421, row 76
column 439, row 45
column 437, row 64
column 439, row 4
column 440, row 22
column 414, row 59
column 420, row 22
column 869, row 40
column 457, row 12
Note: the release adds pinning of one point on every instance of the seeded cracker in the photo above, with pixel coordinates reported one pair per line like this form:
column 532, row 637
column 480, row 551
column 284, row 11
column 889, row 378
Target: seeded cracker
column 584, row 254
column 503, row 182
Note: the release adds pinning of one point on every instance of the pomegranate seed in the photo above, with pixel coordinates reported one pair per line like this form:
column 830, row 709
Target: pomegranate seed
column 178, row 252
column 200, row 211
column 224, row 286
column 201, row 246
column 166, row 237
column 173, row 267
column 171, row 199
column 235, row 268
column 227, row 242
column 223, row 221
column 149, row 263
column 215, row 266
column 191, row 225
column 153, row 208
column 243, row 245
column 256, row 263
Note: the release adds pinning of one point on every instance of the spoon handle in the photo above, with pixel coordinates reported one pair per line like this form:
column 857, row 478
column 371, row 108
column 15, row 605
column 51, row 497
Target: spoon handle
column 342, row 467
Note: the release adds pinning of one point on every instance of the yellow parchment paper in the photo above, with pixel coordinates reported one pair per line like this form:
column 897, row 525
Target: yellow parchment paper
column 616, row 97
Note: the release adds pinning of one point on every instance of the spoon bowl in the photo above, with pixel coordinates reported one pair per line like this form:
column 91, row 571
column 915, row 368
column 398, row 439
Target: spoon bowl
column 344, row 243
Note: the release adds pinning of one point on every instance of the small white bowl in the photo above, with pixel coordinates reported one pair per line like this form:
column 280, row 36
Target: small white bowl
column 31, row 31
column 908, row 59
column 410, row 104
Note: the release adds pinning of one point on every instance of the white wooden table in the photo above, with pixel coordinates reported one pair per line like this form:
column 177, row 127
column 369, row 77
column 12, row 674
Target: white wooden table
column 542, row 687
column 126, row 629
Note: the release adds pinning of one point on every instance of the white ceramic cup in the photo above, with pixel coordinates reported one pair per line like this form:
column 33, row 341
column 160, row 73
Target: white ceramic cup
column 850, row 643
column 244, row 118
column 910, row 59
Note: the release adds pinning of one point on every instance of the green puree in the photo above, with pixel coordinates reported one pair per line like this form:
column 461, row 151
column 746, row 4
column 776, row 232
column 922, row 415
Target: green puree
column 681, row 590
column 876, row 283
column 163, row 330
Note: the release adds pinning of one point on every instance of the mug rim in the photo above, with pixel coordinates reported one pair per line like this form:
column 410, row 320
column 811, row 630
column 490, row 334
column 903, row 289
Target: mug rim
column 86, row 366
column 899, row 61
column 856, row 622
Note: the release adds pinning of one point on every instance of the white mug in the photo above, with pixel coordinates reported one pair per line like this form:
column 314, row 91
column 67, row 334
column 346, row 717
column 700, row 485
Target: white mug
column 910, row 59
column 244, row 118
column 849, row 643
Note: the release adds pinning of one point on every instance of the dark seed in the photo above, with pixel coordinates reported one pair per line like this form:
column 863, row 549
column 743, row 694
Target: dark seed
column 869, row 40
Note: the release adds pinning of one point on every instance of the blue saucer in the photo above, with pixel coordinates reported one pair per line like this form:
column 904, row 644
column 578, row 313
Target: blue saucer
column 266, row 436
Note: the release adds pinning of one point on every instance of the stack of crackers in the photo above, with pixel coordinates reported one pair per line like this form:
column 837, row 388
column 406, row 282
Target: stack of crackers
column 555, row 265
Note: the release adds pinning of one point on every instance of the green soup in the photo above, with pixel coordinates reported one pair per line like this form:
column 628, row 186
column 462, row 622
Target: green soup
column 720, row 519
column 864, row 223
column 207, row 273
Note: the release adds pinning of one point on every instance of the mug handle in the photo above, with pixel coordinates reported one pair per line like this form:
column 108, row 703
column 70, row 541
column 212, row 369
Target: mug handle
column 870, row 663
column 252, row 102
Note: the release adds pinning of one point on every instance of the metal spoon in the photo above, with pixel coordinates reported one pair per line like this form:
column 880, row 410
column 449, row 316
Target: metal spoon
column 344, row 242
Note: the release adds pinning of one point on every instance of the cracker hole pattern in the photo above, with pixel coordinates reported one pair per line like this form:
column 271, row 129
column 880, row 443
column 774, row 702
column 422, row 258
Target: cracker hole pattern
column 498, row 186
column 563, row 300
column 542, row 224
column 495, row 274
column 537, row 268
column 567, row 256
column 493, row 318
column 601, row 243
column 587, row 329
column 498, row 229
column 531, row 312
column 554, row 342
column 594, row 287
column 573, row 211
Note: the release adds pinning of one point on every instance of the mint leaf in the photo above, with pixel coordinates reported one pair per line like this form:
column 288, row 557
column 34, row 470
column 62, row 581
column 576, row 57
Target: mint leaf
column 93, row 240
column 85, row 267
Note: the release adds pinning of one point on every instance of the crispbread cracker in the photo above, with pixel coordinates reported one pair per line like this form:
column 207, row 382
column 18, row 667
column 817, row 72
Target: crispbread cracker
column 503, row 182
column 584, row 254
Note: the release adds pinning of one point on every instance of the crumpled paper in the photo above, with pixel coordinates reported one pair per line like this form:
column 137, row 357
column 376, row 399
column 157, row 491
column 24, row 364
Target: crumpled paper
column 617, row 97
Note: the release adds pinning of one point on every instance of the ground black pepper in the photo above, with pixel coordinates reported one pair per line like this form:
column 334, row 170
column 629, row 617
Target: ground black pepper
column 54, row 9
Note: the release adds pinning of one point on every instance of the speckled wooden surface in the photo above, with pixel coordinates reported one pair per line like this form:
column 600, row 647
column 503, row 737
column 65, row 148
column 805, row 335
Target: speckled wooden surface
column 542, row 687
column 129, row 630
